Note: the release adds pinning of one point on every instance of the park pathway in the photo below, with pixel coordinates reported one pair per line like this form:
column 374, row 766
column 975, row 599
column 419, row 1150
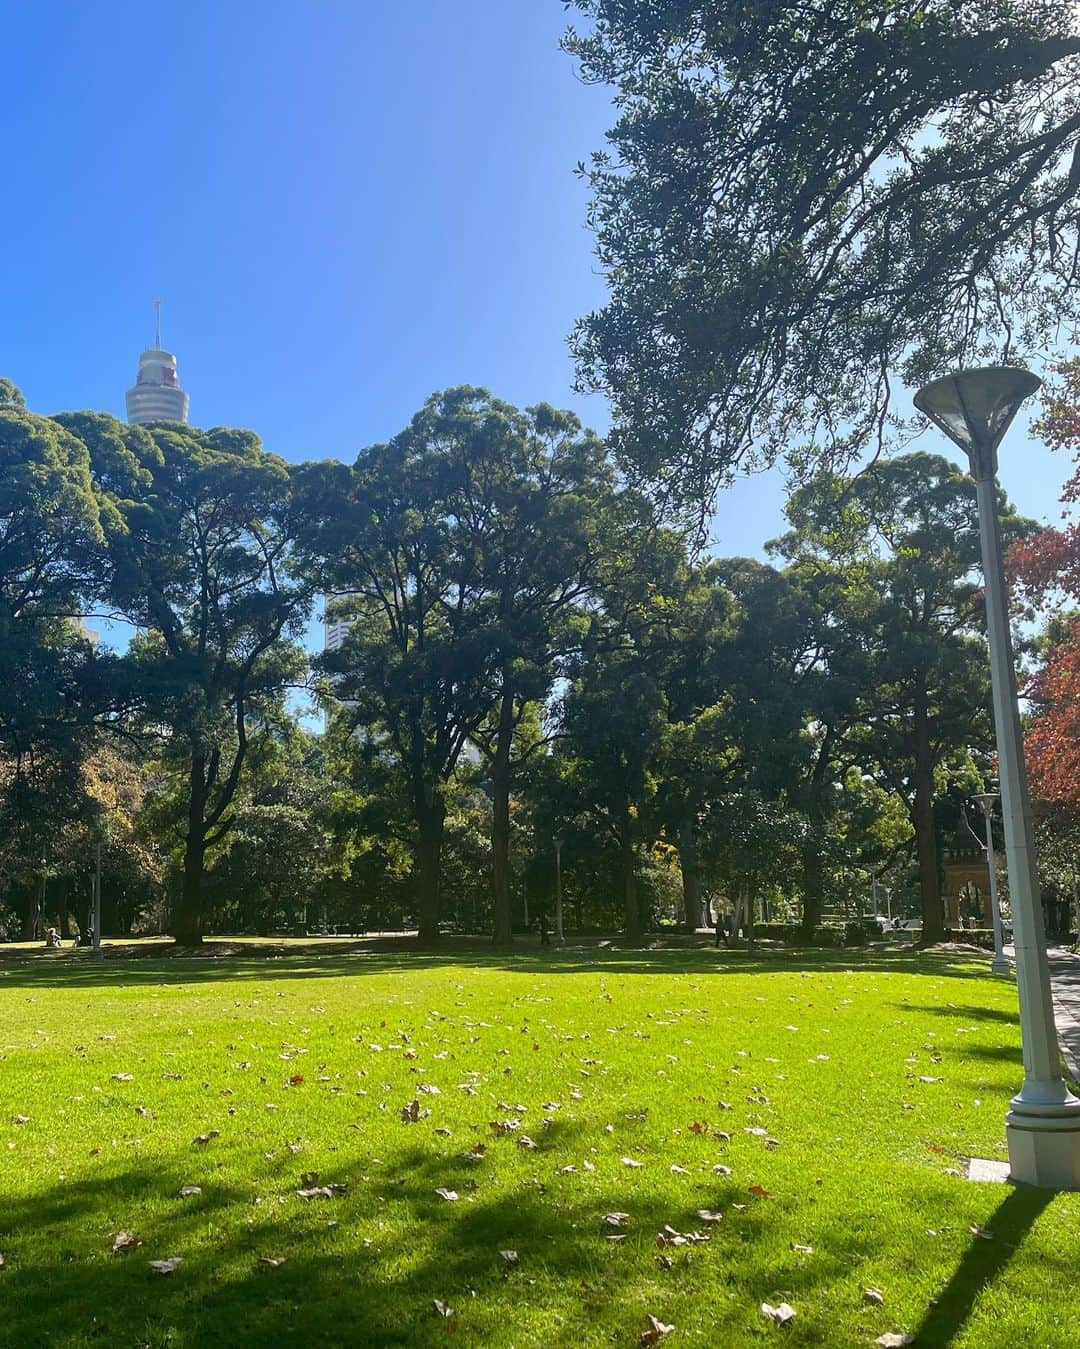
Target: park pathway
column 1065, row 981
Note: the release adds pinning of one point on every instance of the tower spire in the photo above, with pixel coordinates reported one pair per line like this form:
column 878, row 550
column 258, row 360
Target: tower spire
column 157, row 322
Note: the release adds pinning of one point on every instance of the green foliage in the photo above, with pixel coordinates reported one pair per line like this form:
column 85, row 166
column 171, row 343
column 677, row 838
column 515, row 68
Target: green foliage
column 802, row 200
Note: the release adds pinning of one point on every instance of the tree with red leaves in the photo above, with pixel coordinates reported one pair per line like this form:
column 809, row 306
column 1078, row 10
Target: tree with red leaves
column 1046, row 570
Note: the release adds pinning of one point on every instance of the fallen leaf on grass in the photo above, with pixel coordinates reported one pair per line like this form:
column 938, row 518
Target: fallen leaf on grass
column 981, row 1232
column 123, row 1241
column 123, row 1077
column 206, row 1137
column 758, row 1133
column 509, row 1259
column 629, row 1161
column 710, row 1215
column 874, row 1295
column 615, row 1219
column 448, row 1195
column 21, row 1119
column 758, row 1191
column 441, row 1308
column 893, row 1339
column 412, row 1113
column 322, row 1192
column 443, row 1131
column 504, row 1126
column 801, row 1249
column 670, row 1236
column 678, row 1170
column 931, row 1079
column 780, row 1315
column 656, row 1331
column 189, row 1191
column 271, row 1261
column 167, row 1266
column 526, row 1142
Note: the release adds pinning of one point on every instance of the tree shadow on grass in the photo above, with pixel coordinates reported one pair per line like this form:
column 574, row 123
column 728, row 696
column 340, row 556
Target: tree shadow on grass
column 78, row 969
column 364, row 1269
column 981, row 1264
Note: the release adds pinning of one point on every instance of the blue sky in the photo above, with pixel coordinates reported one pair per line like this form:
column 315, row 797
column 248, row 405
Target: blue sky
column 345, row 206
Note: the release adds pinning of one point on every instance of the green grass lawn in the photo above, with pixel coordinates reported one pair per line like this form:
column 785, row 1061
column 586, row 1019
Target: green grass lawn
column 787, row 1094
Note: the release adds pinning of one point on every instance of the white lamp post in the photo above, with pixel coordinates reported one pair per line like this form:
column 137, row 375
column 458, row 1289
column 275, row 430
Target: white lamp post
column 1000, row 962
column 975, row 408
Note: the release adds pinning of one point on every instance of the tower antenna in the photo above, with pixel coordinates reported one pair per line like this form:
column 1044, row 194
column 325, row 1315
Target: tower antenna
column 157, row 322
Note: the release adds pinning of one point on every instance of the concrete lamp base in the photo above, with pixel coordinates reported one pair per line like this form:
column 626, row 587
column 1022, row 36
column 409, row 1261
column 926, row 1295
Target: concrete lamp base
column 1000, row 965
column 1044, row 1144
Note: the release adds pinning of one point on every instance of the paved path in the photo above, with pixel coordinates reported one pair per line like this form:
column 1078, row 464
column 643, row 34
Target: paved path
column 1065, row 981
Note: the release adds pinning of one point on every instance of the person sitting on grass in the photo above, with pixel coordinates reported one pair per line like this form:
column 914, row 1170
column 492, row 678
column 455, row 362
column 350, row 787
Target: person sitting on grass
column 52, row 939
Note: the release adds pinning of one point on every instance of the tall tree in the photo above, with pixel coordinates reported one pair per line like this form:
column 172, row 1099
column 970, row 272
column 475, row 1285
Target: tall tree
column 901, row 543
column 51, row 551
column 200, row 564
column 804, row 199
column 460, row 552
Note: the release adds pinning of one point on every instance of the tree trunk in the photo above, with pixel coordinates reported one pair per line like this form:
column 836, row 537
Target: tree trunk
column 188, row 918
column 631, row 908
column 750, row 902
column 35, row 908
column 690, row 867
column 503, row 924
column 813, row 885
column 430, row 818
column 922, row 819
column 65, row 912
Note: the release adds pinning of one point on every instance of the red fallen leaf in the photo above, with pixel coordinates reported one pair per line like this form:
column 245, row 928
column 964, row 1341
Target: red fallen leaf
column 296, row 1080
column 780, row 1315
column 759, row 1191
column 656, row 1331
column 124, row 1241
column 697, row 1128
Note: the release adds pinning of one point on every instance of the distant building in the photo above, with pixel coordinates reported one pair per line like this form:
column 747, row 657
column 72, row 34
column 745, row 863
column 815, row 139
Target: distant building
column 156, row 395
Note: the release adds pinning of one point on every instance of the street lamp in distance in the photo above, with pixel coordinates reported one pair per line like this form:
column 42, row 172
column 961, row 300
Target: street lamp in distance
column 975, row 408
column 1000, row 962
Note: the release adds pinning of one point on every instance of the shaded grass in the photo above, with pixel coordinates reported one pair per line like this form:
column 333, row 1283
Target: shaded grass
column 621, row 1051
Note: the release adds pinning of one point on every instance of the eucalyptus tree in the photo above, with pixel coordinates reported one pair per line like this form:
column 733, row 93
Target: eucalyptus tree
column 458, row 554
column 200, row 564
column 805, row 202
column 52, row 545
column 896, row 548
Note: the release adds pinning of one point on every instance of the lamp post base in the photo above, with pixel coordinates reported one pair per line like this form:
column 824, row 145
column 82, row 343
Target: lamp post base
column 1044, row 1144
column 1000, row 965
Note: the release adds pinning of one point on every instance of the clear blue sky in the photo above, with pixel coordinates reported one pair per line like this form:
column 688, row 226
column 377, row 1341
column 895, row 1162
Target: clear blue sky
column 345, row 206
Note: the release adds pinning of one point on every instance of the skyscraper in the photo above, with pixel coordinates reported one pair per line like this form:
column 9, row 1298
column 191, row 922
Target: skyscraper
column 156, row 395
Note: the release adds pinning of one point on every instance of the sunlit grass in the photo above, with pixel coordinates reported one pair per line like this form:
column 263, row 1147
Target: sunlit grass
column 605, row 1060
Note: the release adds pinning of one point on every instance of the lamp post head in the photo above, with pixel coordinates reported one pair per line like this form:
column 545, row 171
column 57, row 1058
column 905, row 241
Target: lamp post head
column 986, row 801
column 975, row 408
